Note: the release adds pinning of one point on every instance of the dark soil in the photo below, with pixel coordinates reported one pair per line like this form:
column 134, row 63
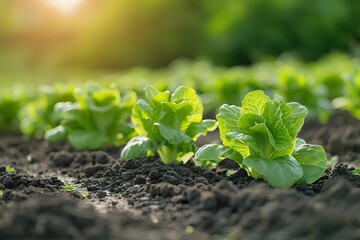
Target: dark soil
column 145, row 199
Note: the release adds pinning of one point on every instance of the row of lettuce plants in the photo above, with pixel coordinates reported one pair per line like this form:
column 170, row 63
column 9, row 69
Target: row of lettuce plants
column 260, row 135
column 317, row 85
column 333, row 82
column 256, row 131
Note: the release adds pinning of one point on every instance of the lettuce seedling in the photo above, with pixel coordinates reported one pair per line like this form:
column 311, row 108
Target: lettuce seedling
column 168, row 124
column 261, row 137
column 98, row 117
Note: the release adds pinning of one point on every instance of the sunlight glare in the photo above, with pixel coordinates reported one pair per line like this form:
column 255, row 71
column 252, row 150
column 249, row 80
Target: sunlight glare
column 64, row 6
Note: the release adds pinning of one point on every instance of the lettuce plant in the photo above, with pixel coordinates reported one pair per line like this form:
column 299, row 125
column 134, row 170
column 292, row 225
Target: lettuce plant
column 10, row 105
column 98, row 117
column 295, row 86
column 351, row 99
column 261, row 136
column 38, row 116
column 168, row 124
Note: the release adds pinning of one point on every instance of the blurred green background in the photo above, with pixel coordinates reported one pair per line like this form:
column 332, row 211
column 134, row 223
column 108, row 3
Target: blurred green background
column 51, row 40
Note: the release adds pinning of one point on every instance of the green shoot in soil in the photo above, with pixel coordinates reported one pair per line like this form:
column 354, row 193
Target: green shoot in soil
column 9, row 169
column 68, row 187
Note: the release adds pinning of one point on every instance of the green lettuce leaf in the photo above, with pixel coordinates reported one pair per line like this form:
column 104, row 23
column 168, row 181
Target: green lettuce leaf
column 312, row 159
column 196, row 129
column 213, row 153
column 282, row 172
column 228, row 118
column 139, row 147
column 254, row 102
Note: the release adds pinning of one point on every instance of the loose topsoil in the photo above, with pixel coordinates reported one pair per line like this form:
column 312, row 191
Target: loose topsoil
column 145, row 199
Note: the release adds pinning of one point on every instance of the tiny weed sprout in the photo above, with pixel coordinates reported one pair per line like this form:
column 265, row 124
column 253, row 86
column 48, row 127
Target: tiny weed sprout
column 168, row 124
column 189, row 229
column 9, row 169
column 85, row 194
column 356, row 171
column 261, row 137
column 98, row 117
column 68, row 187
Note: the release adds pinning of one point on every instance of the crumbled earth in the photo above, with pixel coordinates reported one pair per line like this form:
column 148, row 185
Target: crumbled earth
column 146, row 199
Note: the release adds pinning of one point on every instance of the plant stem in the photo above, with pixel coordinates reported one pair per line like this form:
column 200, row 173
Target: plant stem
column 168, row 154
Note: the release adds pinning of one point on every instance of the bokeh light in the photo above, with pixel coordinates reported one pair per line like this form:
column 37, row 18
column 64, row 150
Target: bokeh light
column 64, row 6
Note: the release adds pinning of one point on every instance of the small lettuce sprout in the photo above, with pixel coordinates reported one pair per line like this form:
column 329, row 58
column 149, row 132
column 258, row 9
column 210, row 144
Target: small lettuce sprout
column 168, row 124
column 261, row 137
column 98, row 117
